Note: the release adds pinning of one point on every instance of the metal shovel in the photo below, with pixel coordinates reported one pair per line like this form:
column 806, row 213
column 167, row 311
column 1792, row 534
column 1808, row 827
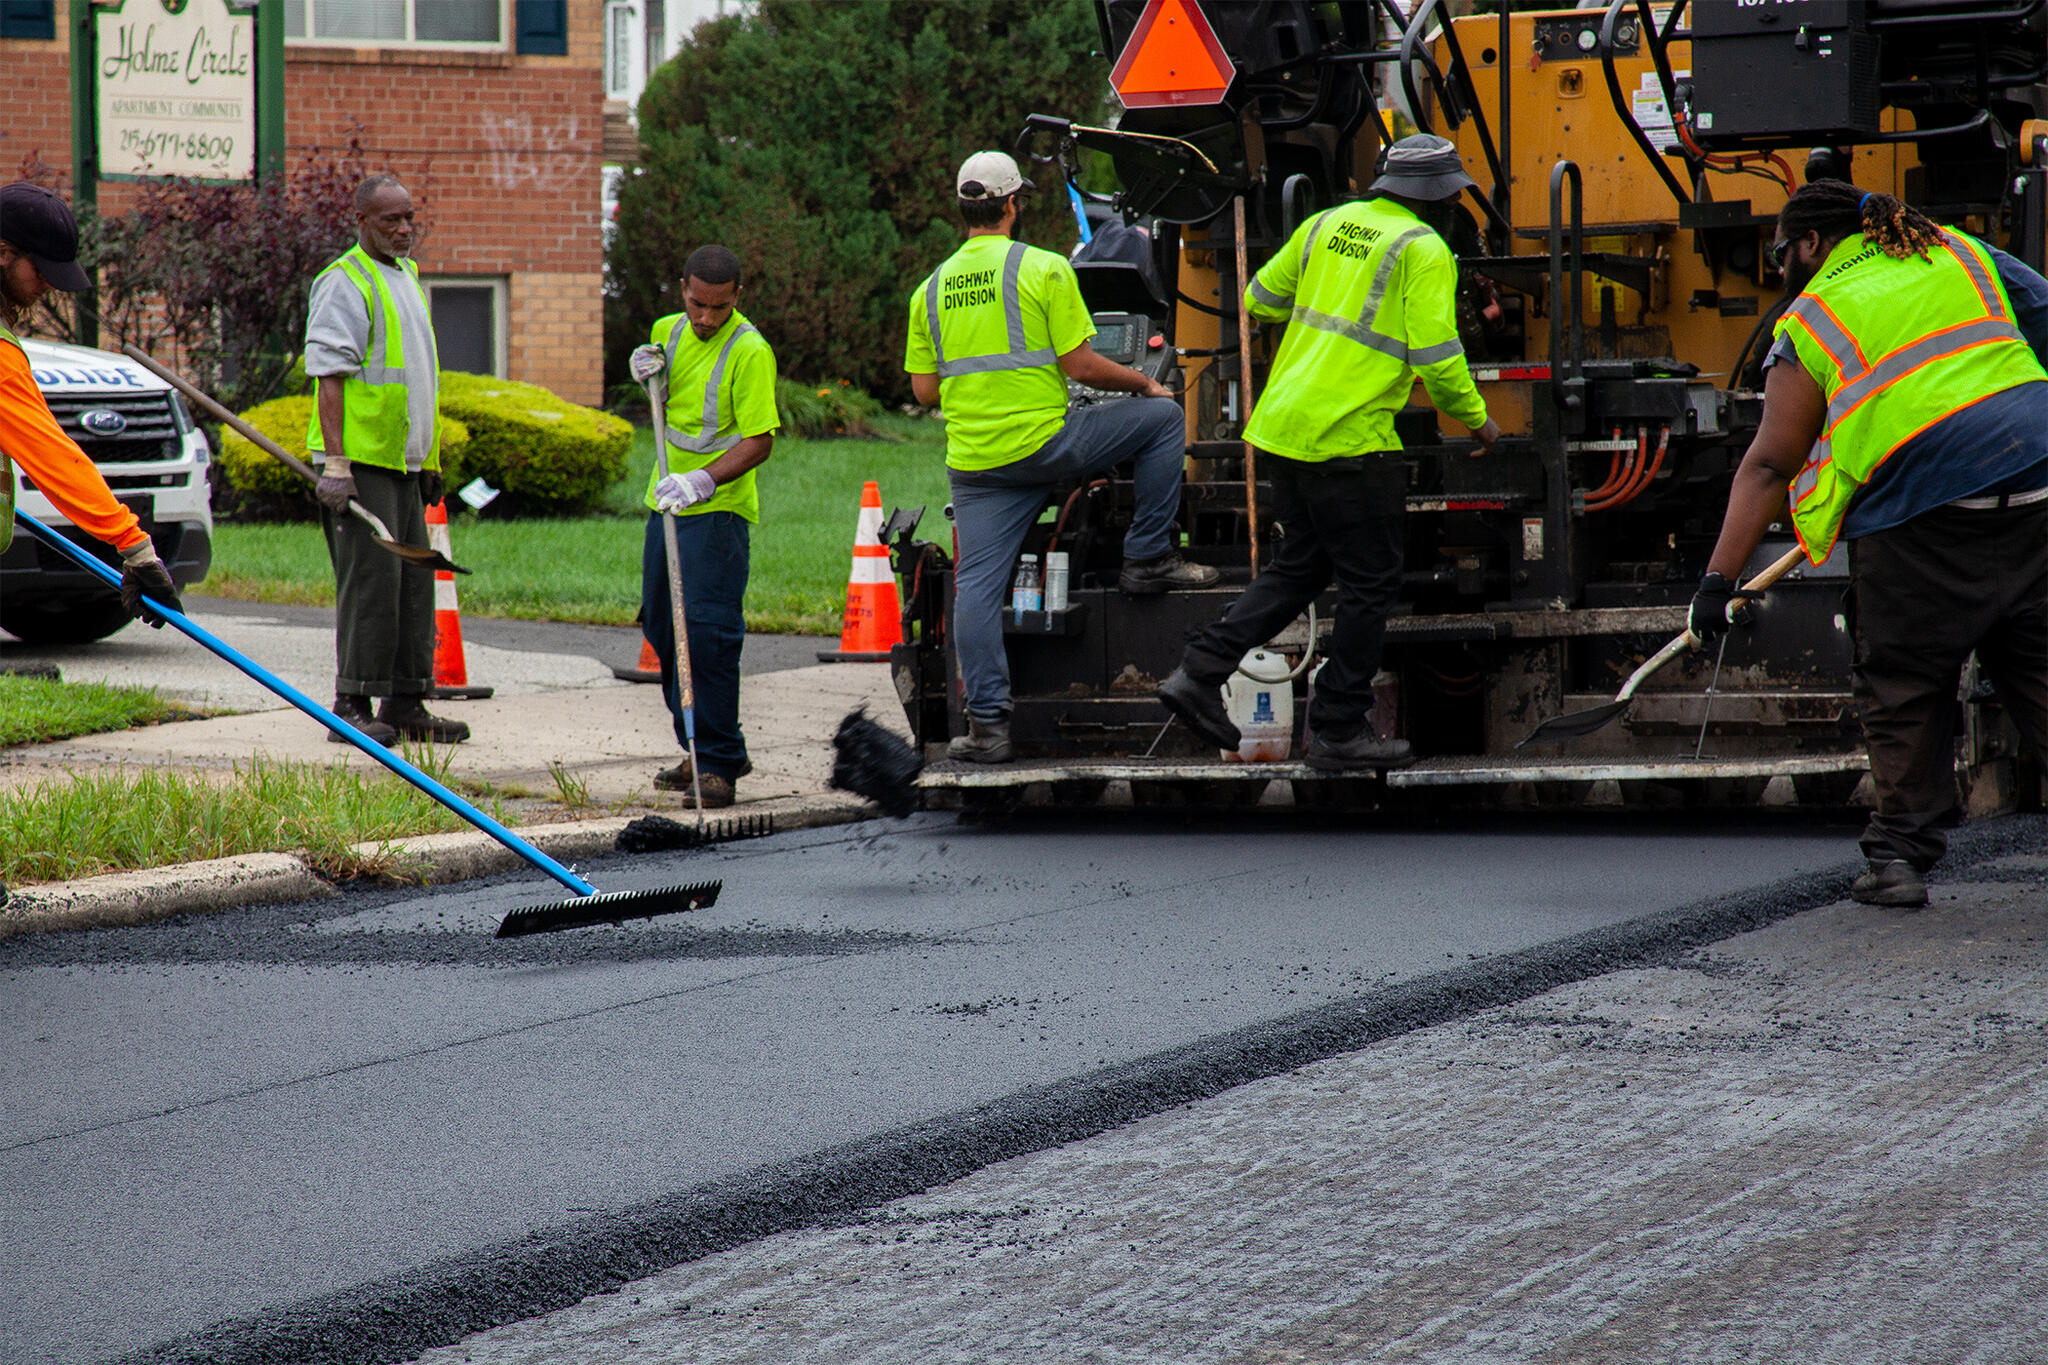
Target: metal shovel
column 424, row 556
column 1581, row 723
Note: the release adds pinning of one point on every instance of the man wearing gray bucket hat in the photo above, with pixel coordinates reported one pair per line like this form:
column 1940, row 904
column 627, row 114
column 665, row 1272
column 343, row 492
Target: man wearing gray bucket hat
column 1368, row 290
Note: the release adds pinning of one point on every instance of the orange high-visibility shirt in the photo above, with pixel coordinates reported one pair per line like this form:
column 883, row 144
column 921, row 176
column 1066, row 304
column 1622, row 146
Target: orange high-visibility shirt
column 62, row 472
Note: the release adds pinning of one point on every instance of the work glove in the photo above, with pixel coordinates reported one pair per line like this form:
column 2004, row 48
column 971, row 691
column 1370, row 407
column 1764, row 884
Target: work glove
column 678, row 491
column 335, row 491
column 648, row 360
column 143, row 573
column 431, row 486
column 1713, row 609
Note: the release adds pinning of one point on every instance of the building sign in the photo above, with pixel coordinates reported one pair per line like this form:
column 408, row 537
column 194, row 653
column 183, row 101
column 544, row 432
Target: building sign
column 176, row 89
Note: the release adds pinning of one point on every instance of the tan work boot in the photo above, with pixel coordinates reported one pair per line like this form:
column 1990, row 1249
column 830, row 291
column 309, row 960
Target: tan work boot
column 718, row 791
column 986, row 741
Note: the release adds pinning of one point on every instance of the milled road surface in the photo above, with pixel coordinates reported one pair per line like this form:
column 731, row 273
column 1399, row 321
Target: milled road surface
column 358, row 1129
column 1820, row 1141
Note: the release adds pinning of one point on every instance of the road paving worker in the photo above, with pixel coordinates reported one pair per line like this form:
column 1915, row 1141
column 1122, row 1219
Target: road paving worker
column 1368, row 291
column 38, row 253
column 995, row 333
column 1906, row 412
column 376, row 436
column 722, row 420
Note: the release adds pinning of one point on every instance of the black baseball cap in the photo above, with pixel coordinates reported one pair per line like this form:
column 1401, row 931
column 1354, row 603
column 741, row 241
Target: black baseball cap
column 40, row 224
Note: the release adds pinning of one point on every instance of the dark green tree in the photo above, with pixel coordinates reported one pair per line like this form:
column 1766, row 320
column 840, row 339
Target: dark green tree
column 819, row 141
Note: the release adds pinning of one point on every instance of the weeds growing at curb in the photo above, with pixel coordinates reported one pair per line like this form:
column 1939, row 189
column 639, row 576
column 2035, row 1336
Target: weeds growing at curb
column 39, row 710
column 87, row 823
column 570, row 790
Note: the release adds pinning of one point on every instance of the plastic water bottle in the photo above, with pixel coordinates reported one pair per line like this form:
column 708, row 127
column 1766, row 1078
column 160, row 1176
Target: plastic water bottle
column 1027, row 590
column 1055, row 585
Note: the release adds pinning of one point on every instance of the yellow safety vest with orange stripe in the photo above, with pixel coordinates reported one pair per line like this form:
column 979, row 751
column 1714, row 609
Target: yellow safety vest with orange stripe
column 1896, row 346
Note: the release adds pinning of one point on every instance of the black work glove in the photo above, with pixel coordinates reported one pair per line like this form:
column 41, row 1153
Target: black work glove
column 431, row 486
column 142, row 573
column 335, row 490
column 1711, row 613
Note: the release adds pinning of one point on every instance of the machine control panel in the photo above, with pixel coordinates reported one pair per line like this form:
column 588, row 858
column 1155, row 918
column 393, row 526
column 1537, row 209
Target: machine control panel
column 1129, row 339
column 1576, row 38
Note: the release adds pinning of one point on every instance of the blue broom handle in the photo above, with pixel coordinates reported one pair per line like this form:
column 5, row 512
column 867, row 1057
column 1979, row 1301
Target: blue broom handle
column 393, row 761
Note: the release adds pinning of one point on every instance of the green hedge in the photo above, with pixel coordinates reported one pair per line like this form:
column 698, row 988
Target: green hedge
column 284, row 420
column 548, row 454
column 818, row 411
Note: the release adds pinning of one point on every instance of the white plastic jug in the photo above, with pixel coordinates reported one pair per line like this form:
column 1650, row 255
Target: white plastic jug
column 1262, row 710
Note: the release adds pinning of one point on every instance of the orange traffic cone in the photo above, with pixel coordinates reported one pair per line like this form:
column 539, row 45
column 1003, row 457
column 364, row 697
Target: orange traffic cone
column 647, row 670
column 451, row 672
column 874, row 616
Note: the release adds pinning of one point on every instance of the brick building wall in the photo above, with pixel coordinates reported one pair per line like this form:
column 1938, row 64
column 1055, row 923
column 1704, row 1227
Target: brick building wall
column 502, row 152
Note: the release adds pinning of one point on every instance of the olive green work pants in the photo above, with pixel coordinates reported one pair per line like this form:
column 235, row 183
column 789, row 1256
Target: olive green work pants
column 383, row 605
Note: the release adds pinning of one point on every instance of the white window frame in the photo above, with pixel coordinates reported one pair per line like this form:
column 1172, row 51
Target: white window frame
column 627, row 84
column 501, row 324
column 503, row 43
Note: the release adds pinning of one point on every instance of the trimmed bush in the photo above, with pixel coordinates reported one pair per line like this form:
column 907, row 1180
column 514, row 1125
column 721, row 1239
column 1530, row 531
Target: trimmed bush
column 546, row 454
column 269, row 485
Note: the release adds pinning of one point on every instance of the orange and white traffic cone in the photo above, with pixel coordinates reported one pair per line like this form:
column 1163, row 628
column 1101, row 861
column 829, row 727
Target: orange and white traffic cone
column 646, row 671
column 451, row 670
column 874, row 616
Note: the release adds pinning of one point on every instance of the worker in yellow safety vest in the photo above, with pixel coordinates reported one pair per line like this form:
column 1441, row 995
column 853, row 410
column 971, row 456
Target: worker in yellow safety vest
column 1906, row 412
column 1368, row 292
column 994, row 335
column 375, row 433
column 718, row 374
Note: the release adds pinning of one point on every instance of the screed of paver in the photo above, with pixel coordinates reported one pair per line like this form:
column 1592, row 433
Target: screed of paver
column 1822, row 1141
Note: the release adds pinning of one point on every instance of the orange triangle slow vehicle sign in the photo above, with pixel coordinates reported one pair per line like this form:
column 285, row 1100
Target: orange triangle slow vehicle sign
column 1172, row 57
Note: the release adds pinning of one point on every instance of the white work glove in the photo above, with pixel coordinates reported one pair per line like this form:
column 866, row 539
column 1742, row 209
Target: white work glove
column 678, row 491
column 648, row 361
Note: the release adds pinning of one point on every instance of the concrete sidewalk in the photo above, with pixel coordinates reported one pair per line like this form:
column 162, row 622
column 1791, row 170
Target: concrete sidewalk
column 558, row 709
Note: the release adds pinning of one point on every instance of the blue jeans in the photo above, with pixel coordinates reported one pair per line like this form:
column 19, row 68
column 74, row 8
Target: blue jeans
column 712, row 547
column 993, row 508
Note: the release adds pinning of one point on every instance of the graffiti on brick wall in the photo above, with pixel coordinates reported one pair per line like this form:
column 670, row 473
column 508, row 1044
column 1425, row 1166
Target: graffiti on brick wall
column 530, row 155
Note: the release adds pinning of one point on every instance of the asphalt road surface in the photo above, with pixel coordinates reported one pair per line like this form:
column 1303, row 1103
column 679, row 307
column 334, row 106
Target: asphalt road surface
column 356, row 1129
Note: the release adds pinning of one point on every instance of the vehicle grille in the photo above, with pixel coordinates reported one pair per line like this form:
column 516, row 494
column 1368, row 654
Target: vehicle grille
column 152, row 432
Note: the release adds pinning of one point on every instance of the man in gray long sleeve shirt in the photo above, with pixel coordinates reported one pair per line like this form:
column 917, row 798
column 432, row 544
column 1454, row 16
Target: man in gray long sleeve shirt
column 376, row 434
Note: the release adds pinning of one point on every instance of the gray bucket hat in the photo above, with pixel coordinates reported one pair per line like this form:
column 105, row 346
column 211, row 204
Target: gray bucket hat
column 1425, row 167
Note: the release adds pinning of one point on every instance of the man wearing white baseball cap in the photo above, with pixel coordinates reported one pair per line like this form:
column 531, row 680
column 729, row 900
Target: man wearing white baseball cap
column 995, row 333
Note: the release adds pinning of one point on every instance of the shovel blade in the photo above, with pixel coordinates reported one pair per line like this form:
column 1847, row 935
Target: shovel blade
column 421, row 555
column 1577, row 725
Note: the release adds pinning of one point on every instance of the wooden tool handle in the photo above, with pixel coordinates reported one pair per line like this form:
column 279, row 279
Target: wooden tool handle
column 249, row 433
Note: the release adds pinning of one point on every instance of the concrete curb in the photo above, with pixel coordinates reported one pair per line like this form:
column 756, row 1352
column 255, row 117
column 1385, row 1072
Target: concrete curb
column 126, row 898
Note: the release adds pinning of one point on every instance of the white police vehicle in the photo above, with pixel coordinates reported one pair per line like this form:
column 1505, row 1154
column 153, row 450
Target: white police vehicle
column 154, row 457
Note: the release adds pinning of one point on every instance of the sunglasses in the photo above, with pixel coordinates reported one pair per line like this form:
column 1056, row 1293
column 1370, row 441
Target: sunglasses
column 1779, row 251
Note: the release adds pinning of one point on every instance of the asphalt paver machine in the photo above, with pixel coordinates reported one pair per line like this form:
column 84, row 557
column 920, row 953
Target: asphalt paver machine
column 1616, row 300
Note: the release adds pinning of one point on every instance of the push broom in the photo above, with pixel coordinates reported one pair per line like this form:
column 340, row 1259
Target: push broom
column 590, row 906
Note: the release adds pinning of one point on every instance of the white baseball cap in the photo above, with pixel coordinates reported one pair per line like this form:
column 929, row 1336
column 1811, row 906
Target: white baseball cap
column 990, row 175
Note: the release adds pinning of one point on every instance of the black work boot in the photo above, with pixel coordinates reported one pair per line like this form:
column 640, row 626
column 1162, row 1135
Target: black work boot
column 409, row 717
column 986, row 741
column 1200, row 708
column 1890, row 881
column 1145, row 577
column 356, row 711
column 1358, row 750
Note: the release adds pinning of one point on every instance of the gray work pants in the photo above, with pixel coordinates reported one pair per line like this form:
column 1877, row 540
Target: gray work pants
column 383, row 605
column 993, row 508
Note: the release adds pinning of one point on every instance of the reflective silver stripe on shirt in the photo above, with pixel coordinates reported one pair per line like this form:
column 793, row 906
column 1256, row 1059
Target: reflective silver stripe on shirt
column 1912, row 356
column 1361, row 329
column 1308, row 241
column 374, row 370
column 1019, row 356
column 1829, row 333
column 1986, row 290
column 1809, row 477
column 707, row 441
column 1268, row 297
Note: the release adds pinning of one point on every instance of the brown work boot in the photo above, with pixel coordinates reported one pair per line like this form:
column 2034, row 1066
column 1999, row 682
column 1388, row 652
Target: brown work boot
column 986, row 741
column 677, row 779
column 718, row 793
column 409, row 717
column 356, row 711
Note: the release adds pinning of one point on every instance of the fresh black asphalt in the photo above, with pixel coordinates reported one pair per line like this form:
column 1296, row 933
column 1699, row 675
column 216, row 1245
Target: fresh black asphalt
column 351, row 1130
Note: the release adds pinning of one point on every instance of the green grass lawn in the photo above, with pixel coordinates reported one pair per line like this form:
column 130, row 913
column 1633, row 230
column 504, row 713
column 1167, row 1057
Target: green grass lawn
column 37, row 710
column 588, row 568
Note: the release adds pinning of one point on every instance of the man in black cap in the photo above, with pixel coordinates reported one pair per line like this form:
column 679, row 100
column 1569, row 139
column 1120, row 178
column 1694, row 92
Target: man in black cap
column 38, row 253
column 1369, row 292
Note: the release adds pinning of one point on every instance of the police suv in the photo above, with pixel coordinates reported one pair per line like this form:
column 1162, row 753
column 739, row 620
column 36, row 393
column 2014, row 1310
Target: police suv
column 154, row 457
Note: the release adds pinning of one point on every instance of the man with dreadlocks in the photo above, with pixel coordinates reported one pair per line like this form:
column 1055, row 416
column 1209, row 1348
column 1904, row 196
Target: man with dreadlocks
column 1906, row 410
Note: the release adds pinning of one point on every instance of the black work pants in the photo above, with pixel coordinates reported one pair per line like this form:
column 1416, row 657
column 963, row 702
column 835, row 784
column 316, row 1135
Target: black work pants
column 1923, row 595
column 383, row 605
column 1339, row 519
